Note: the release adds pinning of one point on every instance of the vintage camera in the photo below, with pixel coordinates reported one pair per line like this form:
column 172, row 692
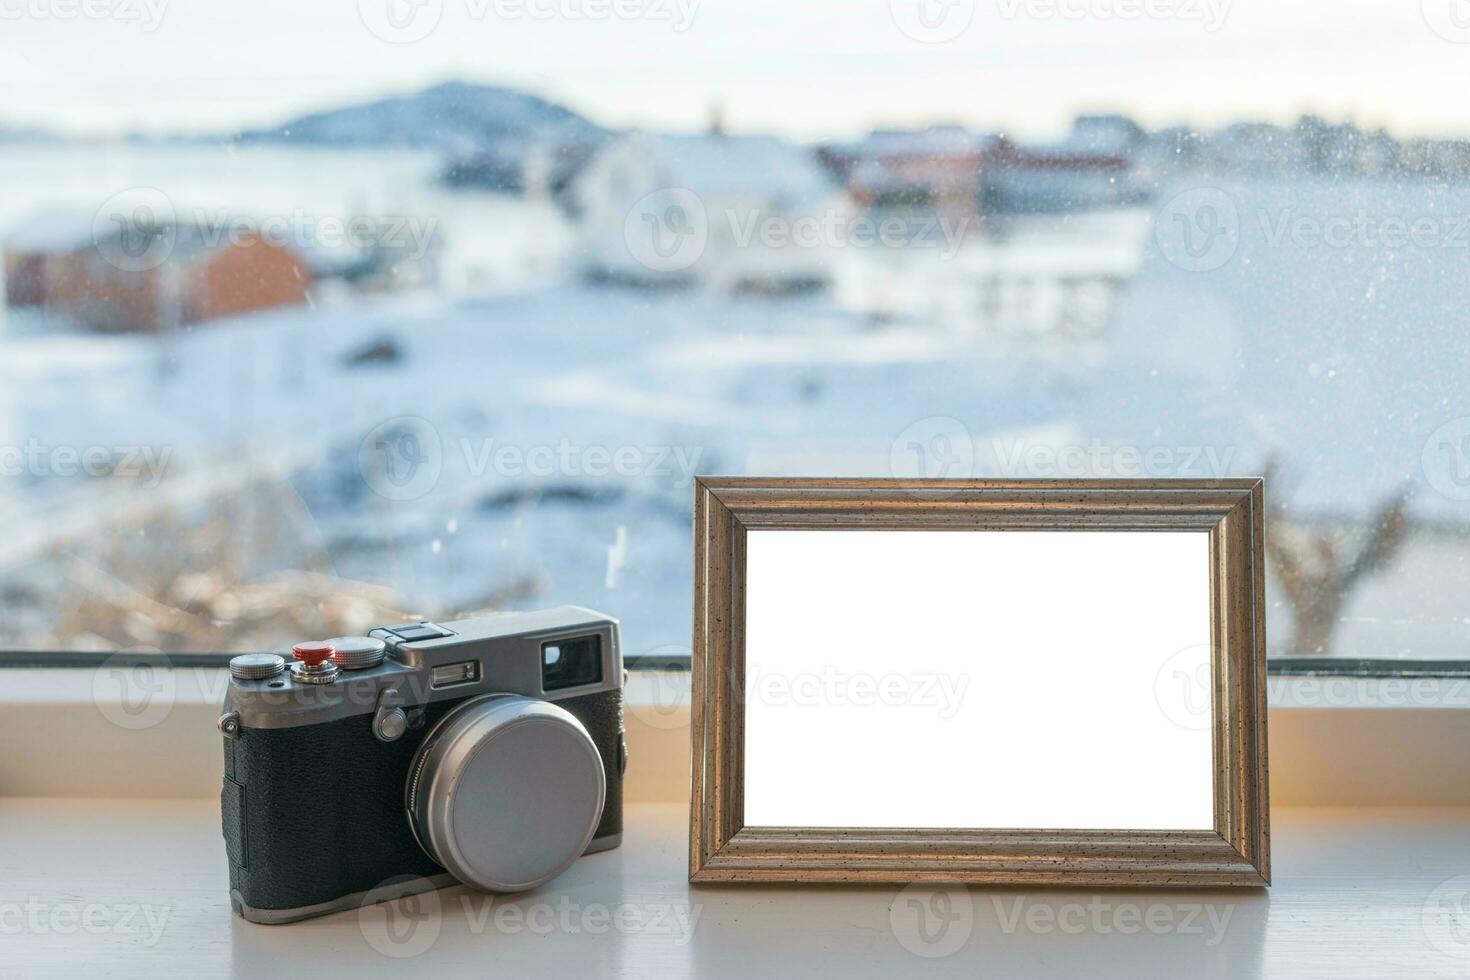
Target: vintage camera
column 487, row 751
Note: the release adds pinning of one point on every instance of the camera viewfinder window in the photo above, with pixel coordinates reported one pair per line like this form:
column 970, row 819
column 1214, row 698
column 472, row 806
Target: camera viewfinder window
column 571, row 663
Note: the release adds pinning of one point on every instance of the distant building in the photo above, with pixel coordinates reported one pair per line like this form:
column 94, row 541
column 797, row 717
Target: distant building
column 730, row 213
column 1263, row 148
column 1093, row 167
column 935, row 171
column 1169, row 151
column 1109, row 135
column 951, row 172
column 141, row 279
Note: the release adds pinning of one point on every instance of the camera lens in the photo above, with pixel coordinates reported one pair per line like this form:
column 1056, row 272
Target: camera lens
column 506, row 792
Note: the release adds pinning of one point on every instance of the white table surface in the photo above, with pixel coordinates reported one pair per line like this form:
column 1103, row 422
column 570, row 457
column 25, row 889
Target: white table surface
column 138, row 887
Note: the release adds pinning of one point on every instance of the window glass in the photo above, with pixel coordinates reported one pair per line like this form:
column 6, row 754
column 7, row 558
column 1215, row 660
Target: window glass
column 319, row 316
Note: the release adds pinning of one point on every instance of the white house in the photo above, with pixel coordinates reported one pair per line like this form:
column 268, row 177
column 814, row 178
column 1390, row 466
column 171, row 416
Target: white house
column 729, row 213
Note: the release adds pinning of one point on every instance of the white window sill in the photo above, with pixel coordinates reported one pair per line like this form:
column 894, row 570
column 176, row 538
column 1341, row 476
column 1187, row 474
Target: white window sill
column 98, row 883
column 138, row 888
column 1337, row 741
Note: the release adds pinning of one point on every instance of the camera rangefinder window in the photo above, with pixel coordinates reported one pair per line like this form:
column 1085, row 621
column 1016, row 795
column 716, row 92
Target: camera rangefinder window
column 451, row 674
column 571, row 663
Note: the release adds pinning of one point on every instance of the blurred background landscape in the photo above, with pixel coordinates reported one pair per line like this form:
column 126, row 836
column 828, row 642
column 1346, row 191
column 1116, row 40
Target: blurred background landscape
column 273, row 368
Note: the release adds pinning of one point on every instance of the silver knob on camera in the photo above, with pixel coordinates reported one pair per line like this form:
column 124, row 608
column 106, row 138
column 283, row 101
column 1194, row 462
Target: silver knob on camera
column 257, row 666
column 390, row 721
column 357, row 652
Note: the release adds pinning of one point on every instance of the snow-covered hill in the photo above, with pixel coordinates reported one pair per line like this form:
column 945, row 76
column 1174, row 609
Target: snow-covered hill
column 456, row 117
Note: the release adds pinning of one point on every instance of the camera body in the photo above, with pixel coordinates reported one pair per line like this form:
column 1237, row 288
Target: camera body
column 486, row 750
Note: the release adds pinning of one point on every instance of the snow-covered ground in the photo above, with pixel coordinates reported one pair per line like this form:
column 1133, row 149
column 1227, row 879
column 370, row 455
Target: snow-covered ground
column 534, row 428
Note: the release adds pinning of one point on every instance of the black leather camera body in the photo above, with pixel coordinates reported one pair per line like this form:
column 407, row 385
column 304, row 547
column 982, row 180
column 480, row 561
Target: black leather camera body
column 487, row 751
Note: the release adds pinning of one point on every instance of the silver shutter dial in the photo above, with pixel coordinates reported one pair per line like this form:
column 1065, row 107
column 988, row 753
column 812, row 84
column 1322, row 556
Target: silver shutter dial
column 506, row 792
column 257, row 666
column 357, row 652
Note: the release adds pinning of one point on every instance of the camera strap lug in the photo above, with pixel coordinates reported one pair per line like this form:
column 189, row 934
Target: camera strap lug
column 229, row 724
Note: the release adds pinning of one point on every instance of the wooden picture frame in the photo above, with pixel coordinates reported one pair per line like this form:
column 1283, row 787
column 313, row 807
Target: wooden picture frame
column 1236, row 853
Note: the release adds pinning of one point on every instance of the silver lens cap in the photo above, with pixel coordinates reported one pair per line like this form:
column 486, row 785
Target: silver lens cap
column 506, row 792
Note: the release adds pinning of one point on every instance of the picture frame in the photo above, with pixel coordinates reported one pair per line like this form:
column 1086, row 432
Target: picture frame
column 1236, row 852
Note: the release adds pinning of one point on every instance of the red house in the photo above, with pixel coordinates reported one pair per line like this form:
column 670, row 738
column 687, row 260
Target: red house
column 143, row 279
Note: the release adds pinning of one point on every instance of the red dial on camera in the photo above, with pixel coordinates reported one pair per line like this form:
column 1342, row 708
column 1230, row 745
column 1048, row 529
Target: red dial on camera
column 313, row 653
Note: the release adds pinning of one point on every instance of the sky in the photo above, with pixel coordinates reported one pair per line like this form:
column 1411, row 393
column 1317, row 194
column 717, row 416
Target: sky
column 809, row 69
